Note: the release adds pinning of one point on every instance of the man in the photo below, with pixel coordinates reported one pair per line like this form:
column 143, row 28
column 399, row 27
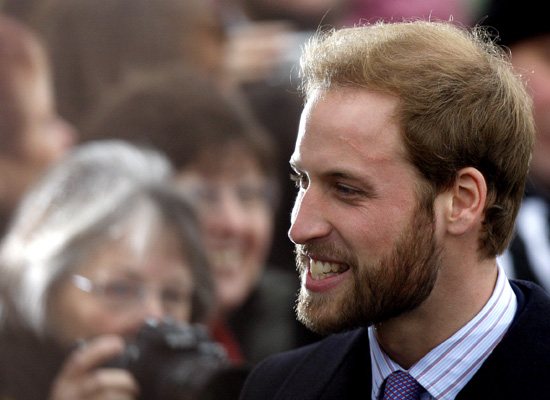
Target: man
column 411, row 159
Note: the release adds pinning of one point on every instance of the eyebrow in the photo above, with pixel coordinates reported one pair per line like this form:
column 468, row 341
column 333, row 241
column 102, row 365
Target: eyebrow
column 126, row 272
column 330, row 173
column 339, row 174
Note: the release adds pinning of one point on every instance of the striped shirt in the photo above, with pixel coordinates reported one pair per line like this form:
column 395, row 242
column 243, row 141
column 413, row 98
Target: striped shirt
column 446, row 369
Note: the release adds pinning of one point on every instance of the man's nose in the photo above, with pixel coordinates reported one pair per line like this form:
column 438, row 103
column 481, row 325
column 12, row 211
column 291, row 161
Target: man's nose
column 308, row 220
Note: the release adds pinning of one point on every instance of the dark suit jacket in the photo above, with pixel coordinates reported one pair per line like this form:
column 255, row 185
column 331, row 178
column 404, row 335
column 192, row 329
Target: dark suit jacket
column 338, row 367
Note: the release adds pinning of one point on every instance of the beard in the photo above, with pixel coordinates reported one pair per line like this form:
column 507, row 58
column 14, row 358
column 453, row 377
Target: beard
column 398, row 283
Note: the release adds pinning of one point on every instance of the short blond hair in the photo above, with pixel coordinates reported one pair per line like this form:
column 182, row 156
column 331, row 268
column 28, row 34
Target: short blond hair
column 460, row 104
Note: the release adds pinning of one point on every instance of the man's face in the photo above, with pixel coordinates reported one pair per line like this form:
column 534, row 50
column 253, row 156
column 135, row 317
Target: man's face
column 366, row 250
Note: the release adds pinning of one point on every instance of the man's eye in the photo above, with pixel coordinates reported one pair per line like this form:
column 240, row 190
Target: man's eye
column 300, row 180
column 346, row 190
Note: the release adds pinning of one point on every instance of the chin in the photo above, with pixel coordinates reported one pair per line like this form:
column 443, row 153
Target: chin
column 320, row 314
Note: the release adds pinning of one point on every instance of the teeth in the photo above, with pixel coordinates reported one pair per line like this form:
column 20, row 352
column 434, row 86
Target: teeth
column 224, row 259
column 322, row 270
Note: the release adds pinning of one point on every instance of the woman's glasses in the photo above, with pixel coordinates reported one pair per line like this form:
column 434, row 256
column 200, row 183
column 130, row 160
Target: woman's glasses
column 127, row 293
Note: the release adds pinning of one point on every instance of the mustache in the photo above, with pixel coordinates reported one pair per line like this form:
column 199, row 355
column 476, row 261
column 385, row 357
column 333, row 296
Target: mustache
column 322, row 250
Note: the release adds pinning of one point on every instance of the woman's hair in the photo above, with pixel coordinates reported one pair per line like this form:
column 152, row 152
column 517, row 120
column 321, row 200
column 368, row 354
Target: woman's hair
column 21, row 56
column 460, row 104
column 187, row 117
column 75, row 209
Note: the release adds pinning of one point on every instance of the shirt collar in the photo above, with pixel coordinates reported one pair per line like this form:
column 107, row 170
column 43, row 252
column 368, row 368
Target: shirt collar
column 446, row 369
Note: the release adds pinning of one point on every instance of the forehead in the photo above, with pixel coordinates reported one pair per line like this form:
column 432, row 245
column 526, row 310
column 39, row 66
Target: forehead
column 141, row 243
column 351, row 126
column 232, row 163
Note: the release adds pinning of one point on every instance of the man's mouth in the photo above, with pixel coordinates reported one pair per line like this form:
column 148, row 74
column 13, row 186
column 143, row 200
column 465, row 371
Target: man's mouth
column 324, row 269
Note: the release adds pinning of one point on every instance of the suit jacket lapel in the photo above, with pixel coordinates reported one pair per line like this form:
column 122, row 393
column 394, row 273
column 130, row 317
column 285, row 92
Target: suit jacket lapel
column 340, row 368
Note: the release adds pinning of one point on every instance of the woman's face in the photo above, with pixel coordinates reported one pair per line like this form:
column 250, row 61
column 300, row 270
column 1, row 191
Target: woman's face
column 237, row 219
column 139, row 275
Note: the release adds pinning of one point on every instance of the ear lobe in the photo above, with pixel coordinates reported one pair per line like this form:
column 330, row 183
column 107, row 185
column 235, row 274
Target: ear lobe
column 468, row 201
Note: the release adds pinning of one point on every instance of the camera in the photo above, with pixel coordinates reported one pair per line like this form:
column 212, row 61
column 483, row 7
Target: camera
column 175, row 361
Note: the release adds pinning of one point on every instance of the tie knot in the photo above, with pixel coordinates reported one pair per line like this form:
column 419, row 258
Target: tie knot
column 401, row 386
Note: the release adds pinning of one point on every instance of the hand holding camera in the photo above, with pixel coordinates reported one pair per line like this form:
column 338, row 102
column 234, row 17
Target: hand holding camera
column 80, row 378
column 165, row 360
column 175, row 361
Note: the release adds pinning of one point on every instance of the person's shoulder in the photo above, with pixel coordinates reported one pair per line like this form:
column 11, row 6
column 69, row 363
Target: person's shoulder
column 518, row 365
column 532, row 320
column 532, row 299
column 287, row 361
column 295, row 370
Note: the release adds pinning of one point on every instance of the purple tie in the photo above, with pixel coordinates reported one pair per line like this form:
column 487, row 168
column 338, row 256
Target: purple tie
column 401, row 386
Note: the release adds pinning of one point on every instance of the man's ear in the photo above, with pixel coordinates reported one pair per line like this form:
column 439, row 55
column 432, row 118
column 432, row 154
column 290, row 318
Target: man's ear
column 467, row 198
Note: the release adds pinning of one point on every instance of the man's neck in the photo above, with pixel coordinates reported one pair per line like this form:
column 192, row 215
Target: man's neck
column 410, row 336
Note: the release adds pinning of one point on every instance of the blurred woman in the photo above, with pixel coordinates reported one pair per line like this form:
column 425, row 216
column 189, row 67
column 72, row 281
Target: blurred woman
column 32, row 135
column 100, row 245
column 225, row 161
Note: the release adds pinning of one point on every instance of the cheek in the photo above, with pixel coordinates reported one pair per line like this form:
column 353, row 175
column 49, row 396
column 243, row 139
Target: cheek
column 104, row 321
column 233, row 290
column 100, row 322
column 261, row 233
column 183, row 315
column 76, row 315
column 371, row 242
column 258, row 238
column 371, row 233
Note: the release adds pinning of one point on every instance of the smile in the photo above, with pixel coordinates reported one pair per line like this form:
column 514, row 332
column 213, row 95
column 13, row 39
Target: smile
column 324, row 269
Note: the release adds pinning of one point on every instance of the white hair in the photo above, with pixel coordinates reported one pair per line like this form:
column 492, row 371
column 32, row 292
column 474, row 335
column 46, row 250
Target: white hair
column 69, row 201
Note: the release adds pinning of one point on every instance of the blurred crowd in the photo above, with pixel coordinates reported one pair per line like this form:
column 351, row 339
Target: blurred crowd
column 144, row 150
